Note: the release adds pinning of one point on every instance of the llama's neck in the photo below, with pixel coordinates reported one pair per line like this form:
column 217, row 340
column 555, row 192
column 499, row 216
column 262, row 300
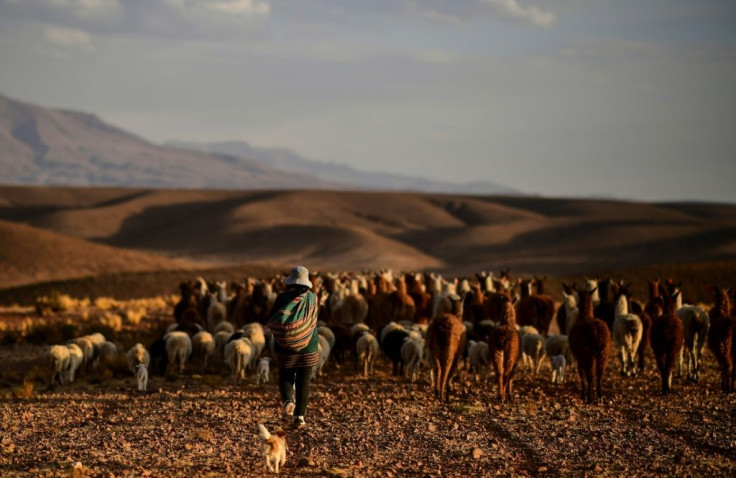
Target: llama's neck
column 622, row 305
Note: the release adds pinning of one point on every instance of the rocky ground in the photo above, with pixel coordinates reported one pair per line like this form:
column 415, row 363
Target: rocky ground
column 382, row 426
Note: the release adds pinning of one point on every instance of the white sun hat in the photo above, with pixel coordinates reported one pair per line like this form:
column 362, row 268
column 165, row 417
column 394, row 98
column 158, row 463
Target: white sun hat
column 299, row 275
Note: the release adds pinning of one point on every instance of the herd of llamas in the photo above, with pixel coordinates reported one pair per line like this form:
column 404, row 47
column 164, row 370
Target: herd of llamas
column 426, row 322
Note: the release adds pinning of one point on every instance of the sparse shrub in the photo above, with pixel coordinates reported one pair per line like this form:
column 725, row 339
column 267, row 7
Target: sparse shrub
column 106, row 303
column 25, row 391
column 55, row 302
column 110, row 321
column 133, row 316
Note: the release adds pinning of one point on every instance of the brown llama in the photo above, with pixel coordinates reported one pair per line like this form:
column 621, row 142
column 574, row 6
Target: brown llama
column 446, row 341
column 187, row 301
column 651, row 309
column 667, row 338
column 422, row 300
column 503, row 345
column 534, row 310
column 589, row 341
column 722, row 338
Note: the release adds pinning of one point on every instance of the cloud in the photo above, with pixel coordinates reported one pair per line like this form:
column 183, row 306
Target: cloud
column 531, row 15
column 244, row 8
column 68, row 37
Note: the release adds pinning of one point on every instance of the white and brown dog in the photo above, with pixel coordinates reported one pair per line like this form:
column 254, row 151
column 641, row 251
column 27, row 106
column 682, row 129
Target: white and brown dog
column 273, row 448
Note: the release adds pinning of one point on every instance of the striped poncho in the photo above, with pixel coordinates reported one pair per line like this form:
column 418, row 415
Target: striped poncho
column 293, row 324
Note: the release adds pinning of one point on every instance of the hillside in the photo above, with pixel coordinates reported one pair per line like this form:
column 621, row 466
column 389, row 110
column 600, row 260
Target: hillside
column 330, row 229
column 29, row 255
column 57, row 147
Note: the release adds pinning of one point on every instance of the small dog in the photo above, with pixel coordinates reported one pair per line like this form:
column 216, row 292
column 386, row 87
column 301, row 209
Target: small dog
column 142, row 376
column 263, row 371
column 273, row 448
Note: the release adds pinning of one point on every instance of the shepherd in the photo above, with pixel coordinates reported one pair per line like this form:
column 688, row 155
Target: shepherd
column 293, row 324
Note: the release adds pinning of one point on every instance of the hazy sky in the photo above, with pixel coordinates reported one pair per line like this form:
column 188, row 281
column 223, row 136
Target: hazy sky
column 622, row 98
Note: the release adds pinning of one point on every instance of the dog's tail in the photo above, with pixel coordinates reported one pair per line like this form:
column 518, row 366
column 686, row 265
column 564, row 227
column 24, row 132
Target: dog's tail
column 263, row 432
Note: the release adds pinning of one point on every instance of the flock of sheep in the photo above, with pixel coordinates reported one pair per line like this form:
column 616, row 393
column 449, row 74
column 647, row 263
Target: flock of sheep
column 426, row 322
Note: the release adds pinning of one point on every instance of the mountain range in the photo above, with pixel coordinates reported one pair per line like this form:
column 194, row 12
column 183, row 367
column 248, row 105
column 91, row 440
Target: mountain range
column 54, row 147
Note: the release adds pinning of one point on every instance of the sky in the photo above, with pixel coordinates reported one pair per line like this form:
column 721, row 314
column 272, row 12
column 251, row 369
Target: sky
column 627, row 99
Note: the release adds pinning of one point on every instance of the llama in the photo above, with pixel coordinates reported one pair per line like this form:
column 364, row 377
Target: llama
column 446, row 341
column 535, row 310
column 503, row 345
column 216, row 312
column 696, row 323
column 667, row 339
column 722, row 339
column 627, row 333
column 589, row 342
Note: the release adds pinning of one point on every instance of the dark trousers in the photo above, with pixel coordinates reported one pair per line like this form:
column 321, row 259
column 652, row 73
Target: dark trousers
column 289, row 378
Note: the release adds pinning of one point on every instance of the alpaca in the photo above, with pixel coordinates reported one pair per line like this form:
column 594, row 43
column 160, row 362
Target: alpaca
column 504, row 349
column 589, row 342
column 667, row 339
column 446, row 341
column 627, row 333
column 535, row 310
column 722, row 339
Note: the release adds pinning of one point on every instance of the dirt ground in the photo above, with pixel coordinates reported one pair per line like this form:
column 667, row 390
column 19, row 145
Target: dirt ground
column 383, row 426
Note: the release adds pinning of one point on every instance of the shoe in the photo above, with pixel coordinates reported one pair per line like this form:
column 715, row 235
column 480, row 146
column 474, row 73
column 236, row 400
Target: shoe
column 289, row 407
column 299, row 422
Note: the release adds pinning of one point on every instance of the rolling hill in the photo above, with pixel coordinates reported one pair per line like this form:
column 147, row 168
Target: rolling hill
column 352, row 230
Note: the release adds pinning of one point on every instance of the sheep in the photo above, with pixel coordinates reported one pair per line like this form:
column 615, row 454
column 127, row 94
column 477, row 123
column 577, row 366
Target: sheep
column 327, row 333
column 446, row 338
column 87, row 348
column 392, row 338
column 142, row 377
column 722, row 339
column 76, row 359
column 107, row 355
column 216, row 312
column 203, row 346
column 558, row 369
column 589, row 342
column 224, row 326
column 557, row 344
column 667, row 339
column 263, row 370
column 504, row 350
column 696, row 324
column 221, row 339
column 367, row 350
column 57, row 358
column 237, row 355
column 324, row 353
column 343, row 342
column 178, row 350
column 411, row 352
column 254, row 333
column 479, row 357
column 627, row 333
column 532, row 347
column 137, row 355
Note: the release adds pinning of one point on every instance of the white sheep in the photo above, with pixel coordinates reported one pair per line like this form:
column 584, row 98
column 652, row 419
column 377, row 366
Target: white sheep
column 237, row 355
column 479, row 358
column 76, row 359
column 221, row 339
column 696, row 325
column 137, row 355
column 358, row 329
column 254, row 333
column 141, row 375
column 324, row 354
column 558, row 369
column 178, row 350
column 263, row 370
column 412, row 351
column 216, row 312
column 532, row 348
column 367, row 348
column 203, row 346
column 58, row 361
column 224, row 326
column 627, row 333
column 87, row 348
